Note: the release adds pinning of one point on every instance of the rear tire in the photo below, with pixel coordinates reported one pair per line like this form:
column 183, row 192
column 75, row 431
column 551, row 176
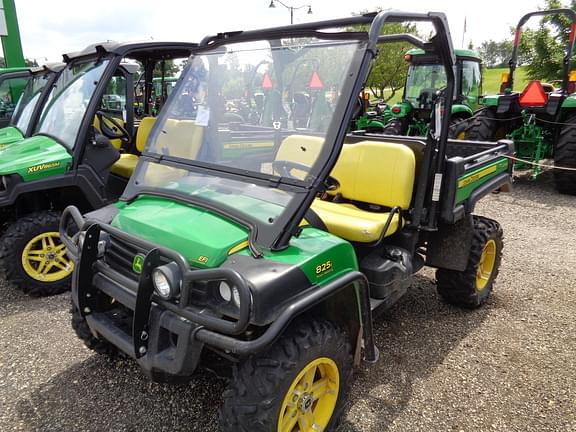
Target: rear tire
column 32, row 257
column 472, row 287
column 484, row 127
column 271, row 388
column 83, row 332
column 565, row 156
column 394, row 127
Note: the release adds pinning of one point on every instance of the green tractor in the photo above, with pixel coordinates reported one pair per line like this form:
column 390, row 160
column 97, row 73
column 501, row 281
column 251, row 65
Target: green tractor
column 425, row 78
column 85, row 147
column 24, row 119
column 276, row 260
column 541, row 120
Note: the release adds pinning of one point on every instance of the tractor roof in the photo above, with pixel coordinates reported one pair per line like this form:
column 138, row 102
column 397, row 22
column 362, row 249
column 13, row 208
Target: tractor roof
column 48, row 67
column 459, row 52
column 138, row 50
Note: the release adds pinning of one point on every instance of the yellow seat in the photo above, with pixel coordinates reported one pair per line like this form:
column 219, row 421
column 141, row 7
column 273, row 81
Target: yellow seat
column 126, row 165
column 377, row 173
column 303, row 149
column 351, row 223
column 181, row 138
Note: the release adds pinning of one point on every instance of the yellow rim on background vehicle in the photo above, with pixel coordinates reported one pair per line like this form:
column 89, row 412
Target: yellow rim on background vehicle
column 486, row 265
column 461, row 135
column 44, row 258
column 310, row 401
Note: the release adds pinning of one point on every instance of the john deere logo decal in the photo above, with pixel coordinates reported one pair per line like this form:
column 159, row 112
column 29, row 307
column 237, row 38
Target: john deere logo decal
column 42, row 167
column 138, row 264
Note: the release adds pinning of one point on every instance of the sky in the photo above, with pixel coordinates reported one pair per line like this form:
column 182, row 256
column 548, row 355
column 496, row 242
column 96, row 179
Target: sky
column 51, row 28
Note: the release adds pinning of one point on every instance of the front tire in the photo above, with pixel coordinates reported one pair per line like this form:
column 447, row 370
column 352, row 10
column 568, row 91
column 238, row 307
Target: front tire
column 457, row 128
column 394, row 127
column 565, row 156
column 299, row 382
column 484, row 127
column 84, row 333
column 32, row 257
column 472, row 287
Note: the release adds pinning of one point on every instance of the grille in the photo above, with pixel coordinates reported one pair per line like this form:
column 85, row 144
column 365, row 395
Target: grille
column 120, row 257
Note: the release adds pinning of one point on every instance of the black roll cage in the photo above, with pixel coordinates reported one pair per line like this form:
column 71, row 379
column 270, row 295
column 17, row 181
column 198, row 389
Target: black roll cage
column 305, row 192
column 569, row 48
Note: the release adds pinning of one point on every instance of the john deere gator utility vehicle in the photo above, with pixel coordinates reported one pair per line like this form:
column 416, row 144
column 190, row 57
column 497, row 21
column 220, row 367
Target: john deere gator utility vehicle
column 425, row 78
column 540, row 120
column 24, row 119
column 84, row 149
column 275, row 260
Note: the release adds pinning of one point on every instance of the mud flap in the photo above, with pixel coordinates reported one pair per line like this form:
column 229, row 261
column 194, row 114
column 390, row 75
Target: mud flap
column 449, row 247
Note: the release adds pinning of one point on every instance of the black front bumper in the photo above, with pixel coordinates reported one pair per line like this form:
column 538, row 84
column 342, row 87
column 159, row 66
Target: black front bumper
column 168, row 336
column 158, row 333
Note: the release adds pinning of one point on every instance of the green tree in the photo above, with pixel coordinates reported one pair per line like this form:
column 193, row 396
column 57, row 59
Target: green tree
column 170, row 68
column 389, row 70
column 547, row 44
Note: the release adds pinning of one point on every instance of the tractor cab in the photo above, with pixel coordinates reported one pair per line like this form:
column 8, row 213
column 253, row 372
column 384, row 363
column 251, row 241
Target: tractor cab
column 425, row 78
column 29, row 106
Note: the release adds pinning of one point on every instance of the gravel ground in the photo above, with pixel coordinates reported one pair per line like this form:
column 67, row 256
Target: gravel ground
column 510, row 366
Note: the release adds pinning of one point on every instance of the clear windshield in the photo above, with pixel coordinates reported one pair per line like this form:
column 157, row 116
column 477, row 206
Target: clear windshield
column 423, row 81
column 260, row 110
column 29, row 99
column 69, row 99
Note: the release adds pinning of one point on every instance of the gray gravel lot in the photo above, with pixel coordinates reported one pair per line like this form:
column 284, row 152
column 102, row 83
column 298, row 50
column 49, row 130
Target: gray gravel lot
column 510, row 366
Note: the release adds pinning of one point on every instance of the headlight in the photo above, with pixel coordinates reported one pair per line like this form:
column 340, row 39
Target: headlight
column 167, row 280
column 228, row 293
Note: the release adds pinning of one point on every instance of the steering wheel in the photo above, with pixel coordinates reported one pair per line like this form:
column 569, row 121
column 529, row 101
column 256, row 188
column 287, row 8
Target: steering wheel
column 116, row 131
column 285, row 166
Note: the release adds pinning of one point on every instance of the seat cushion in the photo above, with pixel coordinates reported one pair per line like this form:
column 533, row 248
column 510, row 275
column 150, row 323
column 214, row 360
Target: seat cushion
column 377, row 173
column 353, row 224
column 143, row 131
column 125, row 165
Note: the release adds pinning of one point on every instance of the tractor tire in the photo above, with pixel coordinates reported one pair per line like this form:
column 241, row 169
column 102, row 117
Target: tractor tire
column 565, row 156
column 484, row 127
column 272, row 390
column 472, row 287
column 32, row 257
column 457, row 128
column 83, row 332
column 394, row 127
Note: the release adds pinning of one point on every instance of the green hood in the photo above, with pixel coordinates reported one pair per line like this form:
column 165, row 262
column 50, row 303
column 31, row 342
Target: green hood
column 34, row 158
column 9, row 135
column 204, row 238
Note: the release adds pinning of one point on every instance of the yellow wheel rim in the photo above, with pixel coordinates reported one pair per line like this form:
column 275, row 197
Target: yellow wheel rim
column 310, row 401
column 461, row 135
column 486, row 265
column 44, row 258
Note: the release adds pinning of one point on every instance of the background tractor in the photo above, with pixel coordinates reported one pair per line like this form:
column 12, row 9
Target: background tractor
column 541, row 120
column 425, row 78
